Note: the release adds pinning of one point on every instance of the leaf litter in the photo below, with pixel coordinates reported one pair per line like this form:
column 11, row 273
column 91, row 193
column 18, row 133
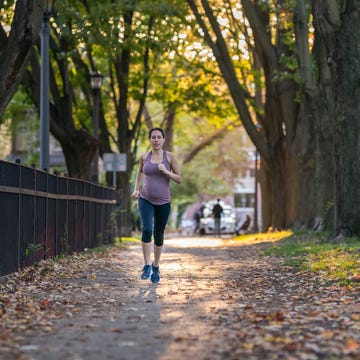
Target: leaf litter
column 231, row 303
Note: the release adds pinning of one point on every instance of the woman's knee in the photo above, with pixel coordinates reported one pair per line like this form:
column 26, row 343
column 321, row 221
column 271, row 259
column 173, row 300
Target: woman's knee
column 159, row 241
column 146, row 236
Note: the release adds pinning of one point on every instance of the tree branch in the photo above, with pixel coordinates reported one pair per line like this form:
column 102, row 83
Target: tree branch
column 302, row 41
column 268, row 55
column 24, row 32
column 227, row 69
column 209, row 140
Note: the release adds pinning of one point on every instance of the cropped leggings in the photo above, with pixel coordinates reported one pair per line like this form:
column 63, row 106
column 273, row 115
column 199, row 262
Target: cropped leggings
column 154, row 218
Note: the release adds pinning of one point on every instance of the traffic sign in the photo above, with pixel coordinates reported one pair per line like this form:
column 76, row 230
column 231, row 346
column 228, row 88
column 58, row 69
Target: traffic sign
column 115, row 162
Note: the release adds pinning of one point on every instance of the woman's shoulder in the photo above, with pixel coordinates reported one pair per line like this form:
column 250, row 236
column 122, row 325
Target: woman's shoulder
column 169, row 154
column 144, row 156
column 171, row 158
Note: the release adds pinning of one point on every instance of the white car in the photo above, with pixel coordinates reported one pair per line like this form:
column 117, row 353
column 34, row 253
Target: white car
column 228, row 223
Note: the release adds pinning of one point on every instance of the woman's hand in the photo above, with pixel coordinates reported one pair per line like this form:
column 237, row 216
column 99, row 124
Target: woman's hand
column 136, row 194
column 163, row 169
column 173, row 175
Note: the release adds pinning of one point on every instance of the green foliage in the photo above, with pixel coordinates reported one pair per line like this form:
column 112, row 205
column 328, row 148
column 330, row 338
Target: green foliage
column 289, row 69
column 93, row 34
column 200, row 179
column 32, row 248
column 64, row 240
column 24, row 124
column 6, row 14
column 96, row 35
column 314, row 252
column 186, row 87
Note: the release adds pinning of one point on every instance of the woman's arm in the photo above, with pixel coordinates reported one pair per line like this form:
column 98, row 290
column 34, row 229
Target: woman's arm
column 174, row 174
column 138, row 179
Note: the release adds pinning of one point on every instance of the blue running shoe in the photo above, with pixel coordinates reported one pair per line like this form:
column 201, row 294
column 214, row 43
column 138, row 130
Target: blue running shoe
column 155, row 276
column 146, row 272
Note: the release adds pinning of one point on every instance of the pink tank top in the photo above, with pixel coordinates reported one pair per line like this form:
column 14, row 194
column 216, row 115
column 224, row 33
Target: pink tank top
column 156, row 187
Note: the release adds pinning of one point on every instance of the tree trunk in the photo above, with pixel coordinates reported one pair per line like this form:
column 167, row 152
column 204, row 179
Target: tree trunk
column 77, row 144
column 79, row 148
column 169, row 120
column 316, row 187
column 125, row 207
column 338, row 28
column 316, row 126
column 15, row 49
column 348, row 124
column 284, row 182
column 266, row 198
column 323, row 181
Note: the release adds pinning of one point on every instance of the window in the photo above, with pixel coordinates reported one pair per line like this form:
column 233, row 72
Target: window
column 244, row 199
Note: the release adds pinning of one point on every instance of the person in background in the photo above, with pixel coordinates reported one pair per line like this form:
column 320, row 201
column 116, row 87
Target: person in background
column 156, row 168
column 198, row 215
column 201, row 210
column 217, row 211
column 245, row 225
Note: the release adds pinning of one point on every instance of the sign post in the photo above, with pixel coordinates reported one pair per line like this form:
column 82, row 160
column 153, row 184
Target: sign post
column 116, row 163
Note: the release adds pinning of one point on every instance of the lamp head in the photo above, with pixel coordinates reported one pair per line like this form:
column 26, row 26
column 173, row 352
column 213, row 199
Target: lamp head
column 96, row 80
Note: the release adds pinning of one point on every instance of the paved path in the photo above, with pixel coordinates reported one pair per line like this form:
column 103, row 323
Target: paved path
column 217, row 299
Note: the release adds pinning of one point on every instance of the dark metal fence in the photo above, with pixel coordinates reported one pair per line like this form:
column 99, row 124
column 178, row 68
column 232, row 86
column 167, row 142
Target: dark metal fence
column 44, row 215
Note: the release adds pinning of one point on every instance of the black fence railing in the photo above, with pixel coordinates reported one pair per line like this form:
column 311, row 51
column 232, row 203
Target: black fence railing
column 44, row 215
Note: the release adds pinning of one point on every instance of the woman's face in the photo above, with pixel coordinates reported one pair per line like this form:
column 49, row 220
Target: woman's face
column 157, row 140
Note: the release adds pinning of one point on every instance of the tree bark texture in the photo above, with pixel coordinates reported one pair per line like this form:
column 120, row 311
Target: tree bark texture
column 16, row 46
column 350, row 144
column 266, row 203
column 315, row 210
column 338, row 26
column 169, row 120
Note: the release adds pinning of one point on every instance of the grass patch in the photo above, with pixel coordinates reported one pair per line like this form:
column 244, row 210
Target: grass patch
column 118, row 242
column 339, row 262
column 269, row 236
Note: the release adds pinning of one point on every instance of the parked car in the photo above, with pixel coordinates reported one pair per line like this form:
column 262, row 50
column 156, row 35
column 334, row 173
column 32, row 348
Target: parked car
column 228, row 223
column 187, row 227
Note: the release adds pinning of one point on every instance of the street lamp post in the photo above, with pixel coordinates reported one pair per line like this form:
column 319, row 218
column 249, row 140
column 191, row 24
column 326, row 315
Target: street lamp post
column 44, row 86
column 256, row 225
column 256, row 178
column 96, row 81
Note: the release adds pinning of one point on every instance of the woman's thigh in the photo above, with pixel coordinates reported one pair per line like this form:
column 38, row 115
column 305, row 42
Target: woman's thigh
column 161, row 215
column 146, row 210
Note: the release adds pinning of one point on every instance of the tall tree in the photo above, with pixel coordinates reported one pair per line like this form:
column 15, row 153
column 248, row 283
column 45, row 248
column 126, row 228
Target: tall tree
column 309, row 102
column 331, row 93
column 122, row 40
column 317, row 139
column 278, row 141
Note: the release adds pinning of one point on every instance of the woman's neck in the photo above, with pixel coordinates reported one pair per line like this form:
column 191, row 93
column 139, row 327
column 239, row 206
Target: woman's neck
column 157, row 152
column 157, row 156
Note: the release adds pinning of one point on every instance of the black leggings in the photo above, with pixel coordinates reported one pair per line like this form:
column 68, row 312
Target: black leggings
column 154, row 217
